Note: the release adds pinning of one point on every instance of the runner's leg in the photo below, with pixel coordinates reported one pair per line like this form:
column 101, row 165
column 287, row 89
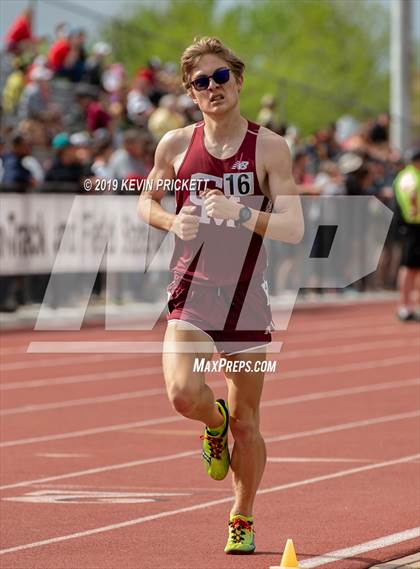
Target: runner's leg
column 186, row 388
column 249, row 455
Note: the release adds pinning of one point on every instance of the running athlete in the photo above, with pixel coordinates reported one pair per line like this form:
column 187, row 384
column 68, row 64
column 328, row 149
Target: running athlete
column 218, row 296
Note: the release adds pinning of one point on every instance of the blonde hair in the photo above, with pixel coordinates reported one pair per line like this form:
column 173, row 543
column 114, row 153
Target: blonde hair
column 203, row 46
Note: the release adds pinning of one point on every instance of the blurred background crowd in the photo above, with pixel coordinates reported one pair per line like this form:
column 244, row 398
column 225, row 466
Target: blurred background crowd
column 70, row 110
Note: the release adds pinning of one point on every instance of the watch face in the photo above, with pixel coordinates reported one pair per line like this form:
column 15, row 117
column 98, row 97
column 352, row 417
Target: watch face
column 244, row 214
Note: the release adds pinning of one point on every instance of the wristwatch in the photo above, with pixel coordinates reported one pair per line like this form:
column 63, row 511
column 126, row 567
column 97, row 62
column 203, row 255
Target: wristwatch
column 244, row 214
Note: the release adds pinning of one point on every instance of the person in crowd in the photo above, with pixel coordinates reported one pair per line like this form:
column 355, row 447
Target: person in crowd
column 379, row 132
column 82, row 141
column 19, row 36
column 36, row 101
column 88, row 112
column 130, row 159
column 95, row 64
column 139, row 105
column 407, row 191
column 102, row 152
column 303, row 178
column 67, row 55
column 16, row 176
column 39, row 114
column 59, row 50
column 13, row 87
column 267, row 113
column 165, row 118
column 66, row 172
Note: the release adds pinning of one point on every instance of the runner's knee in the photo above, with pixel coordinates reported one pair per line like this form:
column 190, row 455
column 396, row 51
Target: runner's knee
column 245, row 430
column 183, row 399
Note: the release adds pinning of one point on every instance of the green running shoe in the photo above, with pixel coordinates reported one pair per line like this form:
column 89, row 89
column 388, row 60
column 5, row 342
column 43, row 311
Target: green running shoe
column 215, row 446
column 241, row 536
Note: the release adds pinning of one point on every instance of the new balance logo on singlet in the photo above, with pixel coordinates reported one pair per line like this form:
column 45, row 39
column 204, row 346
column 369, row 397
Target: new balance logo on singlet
column 240, row 165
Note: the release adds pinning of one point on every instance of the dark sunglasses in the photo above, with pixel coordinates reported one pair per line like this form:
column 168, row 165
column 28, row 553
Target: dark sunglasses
column 220, row 76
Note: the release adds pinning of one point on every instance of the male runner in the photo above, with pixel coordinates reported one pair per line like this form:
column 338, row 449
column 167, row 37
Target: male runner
column 218, row 295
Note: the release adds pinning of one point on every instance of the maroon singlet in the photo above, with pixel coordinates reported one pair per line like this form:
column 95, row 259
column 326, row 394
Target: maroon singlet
column 221, row 254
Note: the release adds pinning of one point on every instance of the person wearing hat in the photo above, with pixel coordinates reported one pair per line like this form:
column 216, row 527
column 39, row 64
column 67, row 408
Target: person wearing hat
column 407, row 193
column 36, row 101
column 66, row 171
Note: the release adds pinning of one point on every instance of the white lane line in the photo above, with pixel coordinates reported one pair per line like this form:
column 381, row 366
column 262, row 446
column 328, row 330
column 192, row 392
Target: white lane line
column 94, row 431
column 295, row 337
column 161, row 391
column 158, row 391
column 204, row 505
column 100, row 469
column 315, row 459
column 348, row 349
column 136, row 372
column 344, row 426
column 107, row 347
column 341, row 392
column 83, row 378
column 284, row 437
column 380, row 543
column 85, row 401
column 51, row 362
column 62, row 454
column 137, row 424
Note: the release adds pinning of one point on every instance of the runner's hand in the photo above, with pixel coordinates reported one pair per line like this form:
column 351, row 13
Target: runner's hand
column 219, row 206
column 186, row 224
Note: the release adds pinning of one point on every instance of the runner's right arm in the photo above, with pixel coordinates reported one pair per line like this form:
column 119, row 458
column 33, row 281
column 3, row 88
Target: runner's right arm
column 185, row 224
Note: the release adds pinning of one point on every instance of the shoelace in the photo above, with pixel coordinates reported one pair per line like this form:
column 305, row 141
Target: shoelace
column 237, row 528
column 216, row 445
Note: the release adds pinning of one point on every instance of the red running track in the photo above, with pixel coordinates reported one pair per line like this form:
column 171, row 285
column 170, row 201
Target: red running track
column 97, row 470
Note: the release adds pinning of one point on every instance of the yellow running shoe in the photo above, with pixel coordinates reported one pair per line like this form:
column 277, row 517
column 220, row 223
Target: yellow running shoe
column 215, row 446
column 241, row 536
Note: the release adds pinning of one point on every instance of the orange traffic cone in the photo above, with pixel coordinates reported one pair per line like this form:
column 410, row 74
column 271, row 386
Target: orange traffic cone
column 289, row 559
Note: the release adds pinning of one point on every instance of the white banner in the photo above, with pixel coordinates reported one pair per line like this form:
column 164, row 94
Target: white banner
column 83, row 229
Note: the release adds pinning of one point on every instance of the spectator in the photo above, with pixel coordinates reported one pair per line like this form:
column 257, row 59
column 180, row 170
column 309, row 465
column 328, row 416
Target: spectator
column 19, row 35
column 40, row 114
column 379, row 132
column 407, row 189
column 94, row 66
column 303, row 179
column 90, row 109
column 139, row 105
column 67, row 54
column 1, row 158
column 66, row 171
column 36, row 102
column 16, row 176
column 266, row 115
column 59, row 50
column 14, row 86
column 102, row 151
column 165, row 118
column 129, row 161
column 82, row 141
